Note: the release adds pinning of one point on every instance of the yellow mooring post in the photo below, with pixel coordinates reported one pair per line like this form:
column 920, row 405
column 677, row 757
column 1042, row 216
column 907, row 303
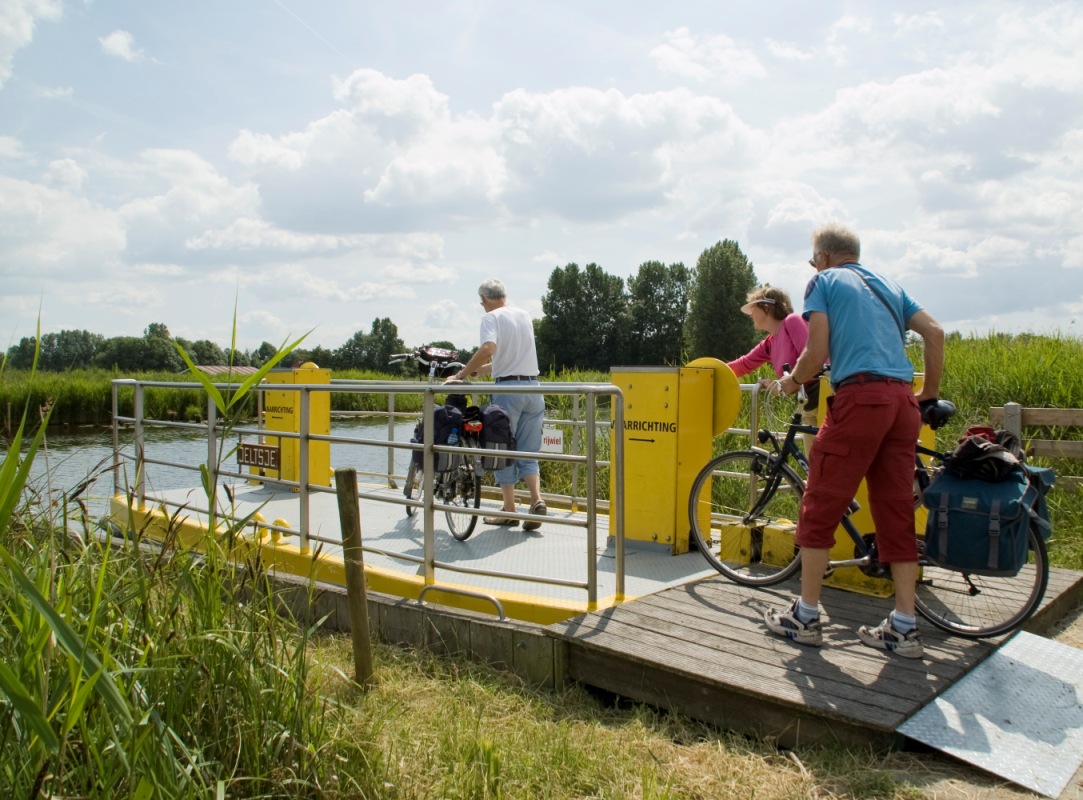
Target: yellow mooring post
column 354, row 562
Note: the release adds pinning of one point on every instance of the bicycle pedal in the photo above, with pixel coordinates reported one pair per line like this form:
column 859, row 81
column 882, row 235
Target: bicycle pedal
column 829, row 572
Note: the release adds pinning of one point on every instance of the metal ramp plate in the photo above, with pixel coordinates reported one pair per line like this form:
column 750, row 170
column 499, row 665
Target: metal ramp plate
column 1018, row 715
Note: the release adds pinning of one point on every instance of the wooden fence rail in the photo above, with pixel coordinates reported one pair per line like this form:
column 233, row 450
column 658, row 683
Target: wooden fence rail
column 1013, row 417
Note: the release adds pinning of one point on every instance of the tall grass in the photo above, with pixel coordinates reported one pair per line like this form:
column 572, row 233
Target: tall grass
column 132, row 672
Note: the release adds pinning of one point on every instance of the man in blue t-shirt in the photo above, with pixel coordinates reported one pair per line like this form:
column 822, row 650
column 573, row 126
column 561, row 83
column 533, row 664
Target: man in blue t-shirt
column 858, row 321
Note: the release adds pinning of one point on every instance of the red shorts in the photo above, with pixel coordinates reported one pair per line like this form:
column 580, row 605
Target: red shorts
column 870, row 432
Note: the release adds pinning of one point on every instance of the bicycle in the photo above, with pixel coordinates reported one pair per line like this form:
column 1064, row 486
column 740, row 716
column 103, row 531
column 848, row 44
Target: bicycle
column 743, row 510
column 458, row 485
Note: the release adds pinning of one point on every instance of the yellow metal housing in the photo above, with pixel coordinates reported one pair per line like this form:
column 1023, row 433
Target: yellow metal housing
column 668, row 412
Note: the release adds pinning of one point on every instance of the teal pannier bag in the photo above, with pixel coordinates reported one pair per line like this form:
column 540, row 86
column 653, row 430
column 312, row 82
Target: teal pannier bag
column 981, row 526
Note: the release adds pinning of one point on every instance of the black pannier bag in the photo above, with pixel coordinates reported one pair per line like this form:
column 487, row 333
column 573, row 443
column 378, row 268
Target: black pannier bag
column 495, row 435
column 981, row 507
column 446, row 418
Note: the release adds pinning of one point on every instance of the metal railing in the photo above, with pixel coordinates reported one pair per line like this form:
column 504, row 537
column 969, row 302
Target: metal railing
column 588, row 461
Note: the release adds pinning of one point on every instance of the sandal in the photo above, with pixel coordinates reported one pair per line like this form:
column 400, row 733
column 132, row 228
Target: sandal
column 539, row 509
column 501, row 521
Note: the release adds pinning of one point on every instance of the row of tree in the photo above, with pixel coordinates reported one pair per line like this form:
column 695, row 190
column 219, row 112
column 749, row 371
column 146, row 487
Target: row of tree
column 156, row 350
column 664, row 315
column 591, row 321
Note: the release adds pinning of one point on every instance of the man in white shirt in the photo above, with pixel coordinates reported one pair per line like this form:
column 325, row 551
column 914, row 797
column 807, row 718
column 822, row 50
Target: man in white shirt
column 508, row 353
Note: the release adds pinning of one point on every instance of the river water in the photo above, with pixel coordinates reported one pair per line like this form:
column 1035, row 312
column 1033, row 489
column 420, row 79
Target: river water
column 72, row 457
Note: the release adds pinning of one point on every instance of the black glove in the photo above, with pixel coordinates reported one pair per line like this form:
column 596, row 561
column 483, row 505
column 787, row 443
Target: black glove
column 935, row 412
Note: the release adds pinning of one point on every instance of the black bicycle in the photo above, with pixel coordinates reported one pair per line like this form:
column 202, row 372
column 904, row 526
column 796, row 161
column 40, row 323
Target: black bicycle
column 743, row 510
column 456, row 479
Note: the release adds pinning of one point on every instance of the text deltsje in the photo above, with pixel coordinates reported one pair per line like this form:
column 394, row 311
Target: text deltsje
column 259, row 455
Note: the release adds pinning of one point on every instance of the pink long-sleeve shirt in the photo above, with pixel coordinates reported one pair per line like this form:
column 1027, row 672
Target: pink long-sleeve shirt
column 782, row 347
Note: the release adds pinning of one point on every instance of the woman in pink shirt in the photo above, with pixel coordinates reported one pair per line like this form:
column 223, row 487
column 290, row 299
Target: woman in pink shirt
column 787, row 332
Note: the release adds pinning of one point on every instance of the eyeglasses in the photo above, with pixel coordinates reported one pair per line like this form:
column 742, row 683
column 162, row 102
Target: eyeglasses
column 812, row 261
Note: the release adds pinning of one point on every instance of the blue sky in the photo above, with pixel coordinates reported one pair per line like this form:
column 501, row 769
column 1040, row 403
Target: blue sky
column 323, row 164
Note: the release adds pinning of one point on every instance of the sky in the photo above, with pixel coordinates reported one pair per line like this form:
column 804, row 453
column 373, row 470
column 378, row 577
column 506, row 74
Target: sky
column 314, row 166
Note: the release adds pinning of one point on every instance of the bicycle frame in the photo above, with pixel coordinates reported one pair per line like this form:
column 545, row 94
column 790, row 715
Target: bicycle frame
column 788, row 449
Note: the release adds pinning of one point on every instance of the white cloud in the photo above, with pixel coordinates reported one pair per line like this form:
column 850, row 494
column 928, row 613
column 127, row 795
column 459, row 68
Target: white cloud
column 57, row 92
column 707, row 57
column 842, row 31
column 18, row 19
column 64, row 173
column 48, row 232
column 786, row 51
column 920, row 24
column 325, row 139
column 399, row 109
column 445, row 315
column 120, row 44
column 249, row 234
column 10, row 147
column 193, row 198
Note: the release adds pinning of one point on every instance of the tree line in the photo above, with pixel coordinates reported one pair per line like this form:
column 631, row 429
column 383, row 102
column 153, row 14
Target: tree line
column 591, row 321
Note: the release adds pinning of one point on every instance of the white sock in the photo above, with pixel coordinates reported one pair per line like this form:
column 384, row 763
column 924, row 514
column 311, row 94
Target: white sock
column 805, row 612
column 903, row 623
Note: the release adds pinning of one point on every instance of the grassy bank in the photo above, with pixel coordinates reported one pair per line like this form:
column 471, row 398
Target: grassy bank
column 223, row 696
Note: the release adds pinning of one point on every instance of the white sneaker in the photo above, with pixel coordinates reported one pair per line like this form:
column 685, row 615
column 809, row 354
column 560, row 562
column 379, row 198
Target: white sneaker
column 784, row 622
column 885, row 637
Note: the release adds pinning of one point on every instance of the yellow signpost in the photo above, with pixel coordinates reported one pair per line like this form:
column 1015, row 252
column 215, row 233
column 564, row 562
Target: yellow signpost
column 282, row 412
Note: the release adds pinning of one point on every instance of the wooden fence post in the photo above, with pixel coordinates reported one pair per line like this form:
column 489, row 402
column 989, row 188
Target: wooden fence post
column 1013, row 419
column 354, row 561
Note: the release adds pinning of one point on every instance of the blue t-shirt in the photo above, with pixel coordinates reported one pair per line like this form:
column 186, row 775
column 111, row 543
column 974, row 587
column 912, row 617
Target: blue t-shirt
column 864, row 334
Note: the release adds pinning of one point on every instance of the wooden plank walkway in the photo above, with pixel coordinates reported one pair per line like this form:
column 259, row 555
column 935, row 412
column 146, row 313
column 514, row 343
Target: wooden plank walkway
column 702, row 649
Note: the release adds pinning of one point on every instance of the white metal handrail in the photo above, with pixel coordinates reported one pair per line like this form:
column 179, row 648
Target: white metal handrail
column 305, row 488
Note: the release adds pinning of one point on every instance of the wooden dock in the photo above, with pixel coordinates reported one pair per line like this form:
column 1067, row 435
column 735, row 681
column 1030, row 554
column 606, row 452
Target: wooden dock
column 702, row 649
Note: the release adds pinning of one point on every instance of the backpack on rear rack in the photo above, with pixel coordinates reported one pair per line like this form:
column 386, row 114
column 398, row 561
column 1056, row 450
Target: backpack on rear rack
column 495, row 435
column 446, row 418
column 981, row 506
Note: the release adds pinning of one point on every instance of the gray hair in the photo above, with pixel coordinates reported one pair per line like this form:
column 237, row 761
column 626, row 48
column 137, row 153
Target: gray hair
column 836, row 240
column 492, row 289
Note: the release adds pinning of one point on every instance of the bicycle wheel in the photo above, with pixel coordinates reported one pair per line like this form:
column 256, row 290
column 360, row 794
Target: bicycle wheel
column 743, row 515
column 413, row 486
column 976, row 606
column 462, row 488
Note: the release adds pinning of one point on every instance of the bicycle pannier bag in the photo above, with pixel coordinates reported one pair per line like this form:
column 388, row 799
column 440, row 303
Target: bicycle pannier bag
column 981, row 526
column 495, row 436
column 445, row 419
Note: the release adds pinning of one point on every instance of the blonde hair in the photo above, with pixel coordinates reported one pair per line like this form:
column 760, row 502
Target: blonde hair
column 773, row 300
